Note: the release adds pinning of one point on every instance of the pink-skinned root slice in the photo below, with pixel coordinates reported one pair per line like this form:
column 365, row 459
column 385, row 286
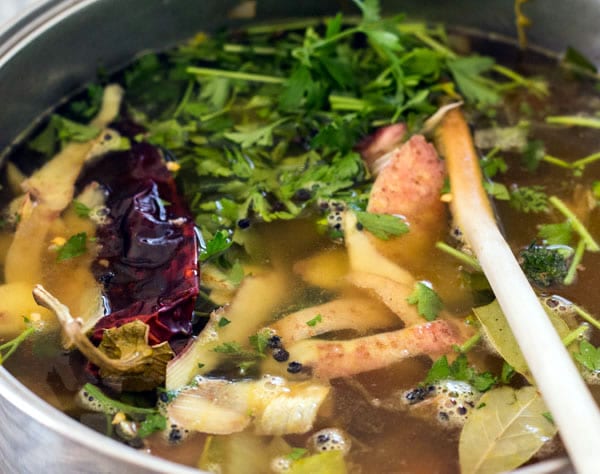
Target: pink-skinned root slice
column 332, row 359
column 380, row 142
column 410, row 184
column 356, row 313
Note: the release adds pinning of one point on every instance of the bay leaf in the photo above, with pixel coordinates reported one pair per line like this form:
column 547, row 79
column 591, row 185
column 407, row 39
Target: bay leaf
column 508, row 429
column 499, row 335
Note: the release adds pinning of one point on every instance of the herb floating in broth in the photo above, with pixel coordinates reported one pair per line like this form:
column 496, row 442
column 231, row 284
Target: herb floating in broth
column 249, row 250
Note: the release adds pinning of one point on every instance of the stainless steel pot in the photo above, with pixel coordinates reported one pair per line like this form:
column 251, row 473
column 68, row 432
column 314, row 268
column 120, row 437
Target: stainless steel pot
column 55, row 48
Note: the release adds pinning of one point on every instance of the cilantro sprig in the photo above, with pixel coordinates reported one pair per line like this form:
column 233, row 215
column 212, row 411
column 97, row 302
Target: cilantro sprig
column 75, row 246
column 427, row 300
column 460, row 370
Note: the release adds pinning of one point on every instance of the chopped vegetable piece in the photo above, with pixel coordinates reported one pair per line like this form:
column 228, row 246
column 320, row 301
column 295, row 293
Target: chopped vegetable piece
column 382, row 225
column 588, row 356
column 314, row 321
column 74, row 247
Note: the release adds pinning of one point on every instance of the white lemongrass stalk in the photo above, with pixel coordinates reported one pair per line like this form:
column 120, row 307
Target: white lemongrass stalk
column 573, row 409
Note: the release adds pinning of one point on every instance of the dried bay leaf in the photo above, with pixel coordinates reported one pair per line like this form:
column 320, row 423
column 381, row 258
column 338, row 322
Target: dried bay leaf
column 499, row 335
column 146, row 365
column 508, row 429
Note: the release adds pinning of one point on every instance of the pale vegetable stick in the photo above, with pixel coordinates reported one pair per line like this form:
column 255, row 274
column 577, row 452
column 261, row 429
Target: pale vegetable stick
column 573, row 408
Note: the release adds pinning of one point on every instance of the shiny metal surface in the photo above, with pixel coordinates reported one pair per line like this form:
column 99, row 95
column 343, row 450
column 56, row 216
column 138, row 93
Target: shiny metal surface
column 54, row 49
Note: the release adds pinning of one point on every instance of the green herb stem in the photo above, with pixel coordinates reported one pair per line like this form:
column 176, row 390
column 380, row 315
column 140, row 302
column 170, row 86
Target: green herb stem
column 283, row 26
column 556, row 161
column 579, row 250
column 242, row 76
column 463, row 257
column 240, row 48
column 574, row 335
column 340, row 102
column 127, row 409
column 583, row 162
column 11, row 346
column 586, row 316
column 469, row 343
column 578, row 227
column 185, row 99
column 574, row 120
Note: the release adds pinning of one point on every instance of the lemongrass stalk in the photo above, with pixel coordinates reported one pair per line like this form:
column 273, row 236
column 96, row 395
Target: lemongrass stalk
column 565, row 393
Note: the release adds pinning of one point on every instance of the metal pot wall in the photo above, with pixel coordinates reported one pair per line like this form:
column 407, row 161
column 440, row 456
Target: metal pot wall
column 54, row 49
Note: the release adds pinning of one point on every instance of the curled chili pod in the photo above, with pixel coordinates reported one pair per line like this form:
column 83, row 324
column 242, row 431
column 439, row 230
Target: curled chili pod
column 148, row 256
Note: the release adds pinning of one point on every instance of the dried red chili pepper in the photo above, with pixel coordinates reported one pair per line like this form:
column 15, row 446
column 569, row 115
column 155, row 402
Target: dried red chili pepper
column 148, row 248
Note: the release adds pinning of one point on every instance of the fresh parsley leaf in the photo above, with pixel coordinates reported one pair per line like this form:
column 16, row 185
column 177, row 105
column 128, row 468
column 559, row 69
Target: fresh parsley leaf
column 81, row 209
column 529, row 199
column 556, row 234
column 67, row 130
column 236, row 274
column 596, row 189
column 260, row 342
column 588, row 356
column 497, row 190
column 215, row 246
column 382, row 226
column 248, row 136
column 467, row 72
column 223, row 322
column 577, row 60
column 301, row 90
column 370, row 9
column 228, row 348
column 440, row 370
column 314, row 321
column 548, row 416
column 86, row 108
column 507, row 373
column 484, row 381
column 533, row 155
column 492, row 165
column 459, row 370
column 74, row 247
column 152, row 423
column 297, row 453
column 427, row 300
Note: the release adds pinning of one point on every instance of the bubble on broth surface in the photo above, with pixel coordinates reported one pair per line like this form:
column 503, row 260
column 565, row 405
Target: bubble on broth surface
column 330, row 439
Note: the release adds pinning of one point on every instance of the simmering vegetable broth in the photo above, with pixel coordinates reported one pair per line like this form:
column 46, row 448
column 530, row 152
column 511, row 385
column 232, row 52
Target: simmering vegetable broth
column 386, row 434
